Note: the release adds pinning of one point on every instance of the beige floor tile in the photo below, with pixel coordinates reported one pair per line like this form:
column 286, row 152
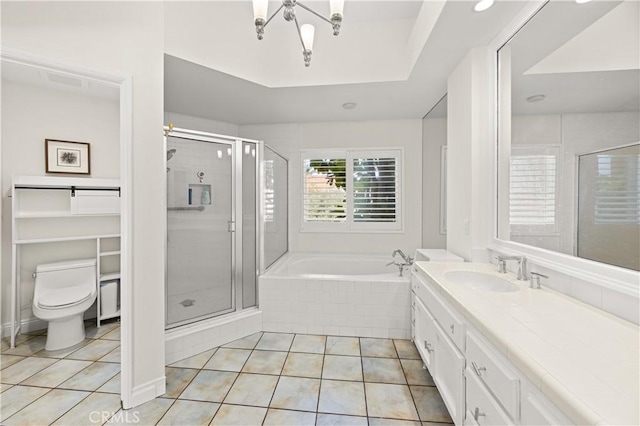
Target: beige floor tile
column 94, row 350
column 228, row 359
column 275, row 342
column 239, row 415
column 406, row 349
column 28, row 347
column 196, row 361
column 112, row 386
column 265, row 362
column 94, row 332
column 303, row 365
column 338, row 397
column 289, row 418
column 342, row 368
column 295, row 393
column 382, row 348
column 383, row 370
column 9, row 360
column 97, row 408
column 430, row 405
column 18, row 397
column 416, row 373
column 248, row 342
column 190, row 413
column 47, row 409
column 4, row 387
column 337, row 420
column 62, row 353
column 209, row 386
column 309, row 344
column 113, row 356
column 390, row 401
column 177, row 380
column 112, row 335
column 390, row 422
column 252, row 389
column 56, row 373
column 24, row 369
column 92, row 377
column 148, row 413
column 343, row 346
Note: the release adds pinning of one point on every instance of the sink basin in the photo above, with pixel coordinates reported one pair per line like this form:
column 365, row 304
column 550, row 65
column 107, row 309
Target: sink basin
column 481, row 282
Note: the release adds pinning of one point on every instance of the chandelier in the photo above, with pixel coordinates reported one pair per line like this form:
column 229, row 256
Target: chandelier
column 305, row 32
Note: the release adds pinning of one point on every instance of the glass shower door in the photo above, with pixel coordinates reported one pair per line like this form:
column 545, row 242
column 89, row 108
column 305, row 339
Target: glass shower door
column 200, row 270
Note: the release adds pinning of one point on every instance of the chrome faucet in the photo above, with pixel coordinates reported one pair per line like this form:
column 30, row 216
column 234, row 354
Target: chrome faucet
column 407, row 261
column 522, row 266
column 535, row 279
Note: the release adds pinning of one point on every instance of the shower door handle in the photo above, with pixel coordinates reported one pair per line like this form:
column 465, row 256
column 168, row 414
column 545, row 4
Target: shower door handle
column 231, row 226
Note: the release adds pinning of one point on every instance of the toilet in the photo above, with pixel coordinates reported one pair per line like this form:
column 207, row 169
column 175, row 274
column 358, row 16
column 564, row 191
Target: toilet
column 63, row 292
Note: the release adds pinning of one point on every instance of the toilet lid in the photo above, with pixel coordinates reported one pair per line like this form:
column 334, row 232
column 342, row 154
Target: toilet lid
column 63, row 297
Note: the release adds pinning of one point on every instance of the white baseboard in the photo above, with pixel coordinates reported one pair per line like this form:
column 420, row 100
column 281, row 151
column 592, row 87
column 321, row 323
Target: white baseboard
column 26, row 326
column 148, row 391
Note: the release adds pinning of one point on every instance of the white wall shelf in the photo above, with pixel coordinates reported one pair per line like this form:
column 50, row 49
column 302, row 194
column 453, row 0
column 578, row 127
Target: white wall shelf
column 43, row 213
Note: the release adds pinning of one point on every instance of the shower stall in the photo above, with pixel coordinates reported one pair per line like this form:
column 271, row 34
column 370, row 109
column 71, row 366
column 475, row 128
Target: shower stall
column 215, row 223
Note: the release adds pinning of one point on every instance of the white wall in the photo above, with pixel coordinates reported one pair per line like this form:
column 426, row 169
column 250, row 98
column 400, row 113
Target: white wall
column 200, row 124
column 30, row 115
column 290, row 139
column 125, row 38
column 434, row 137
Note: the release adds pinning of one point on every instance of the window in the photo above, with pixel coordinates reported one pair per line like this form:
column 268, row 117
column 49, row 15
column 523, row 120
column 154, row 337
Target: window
column 351, row 190
column 617, row 189
column 533, row 201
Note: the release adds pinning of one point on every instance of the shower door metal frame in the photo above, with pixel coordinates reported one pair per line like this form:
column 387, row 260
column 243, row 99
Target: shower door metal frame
column 236, row 209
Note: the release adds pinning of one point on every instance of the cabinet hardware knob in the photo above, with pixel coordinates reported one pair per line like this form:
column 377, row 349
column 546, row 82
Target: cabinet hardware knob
column 427, row 346
column 478, row 370
column 453, row 327
column 477, row 414
column 413, row 321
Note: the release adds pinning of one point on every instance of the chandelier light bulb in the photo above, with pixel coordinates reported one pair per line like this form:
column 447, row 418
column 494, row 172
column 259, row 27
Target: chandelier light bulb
column 337, row 7
column 307, row 31
column 260, row 9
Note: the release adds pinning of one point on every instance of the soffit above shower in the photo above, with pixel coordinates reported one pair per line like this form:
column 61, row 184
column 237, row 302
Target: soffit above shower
column 392, row 57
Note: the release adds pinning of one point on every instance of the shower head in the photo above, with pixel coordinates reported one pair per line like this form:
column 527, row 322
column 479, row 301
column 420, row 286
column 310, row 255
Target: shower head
column 170, row 153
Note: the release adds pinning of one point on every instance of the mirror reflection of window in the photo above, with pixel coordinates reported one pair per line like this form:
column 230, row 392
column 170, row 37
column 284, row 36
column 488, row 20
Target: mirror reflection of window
column 569, row 85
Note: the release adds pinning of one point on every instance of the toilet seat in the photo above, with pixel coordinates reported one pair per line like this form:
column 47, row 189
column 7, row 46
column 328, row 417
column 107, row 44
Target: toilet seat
column 64, row 297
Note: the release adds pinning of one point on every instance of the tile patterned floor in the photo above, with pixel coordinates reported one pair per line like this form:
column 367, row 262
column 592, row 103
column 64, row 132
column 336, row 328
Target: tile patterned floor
column 265, row 378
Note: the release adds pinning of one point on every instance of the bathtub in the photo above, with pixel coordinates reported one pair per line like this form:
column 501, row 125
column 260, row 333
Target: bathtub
column 342, row 295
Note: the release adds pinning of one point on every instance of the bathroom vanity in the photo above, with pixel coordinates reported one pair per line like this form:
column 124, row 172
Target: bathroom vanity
column 501, row 352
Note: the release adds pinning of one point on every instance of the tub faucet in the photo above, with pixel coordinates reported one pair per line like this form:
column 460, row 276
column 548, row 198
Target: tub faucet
column 522, row 266
column 407, row 259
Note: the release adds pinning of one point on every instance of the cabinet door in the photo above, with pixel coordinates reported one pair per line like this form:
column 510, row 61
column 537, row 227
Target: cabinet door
column 425, row 336
column 449, row 375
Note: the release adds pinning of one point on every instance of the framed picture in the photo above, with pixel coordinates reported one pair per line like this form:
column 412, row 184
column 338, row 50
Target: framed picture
column 67, row 157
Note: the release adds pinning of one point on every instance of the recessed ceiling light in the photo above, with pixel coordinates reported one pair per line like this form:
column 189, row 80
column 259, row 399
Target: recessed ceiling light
column 536, row 98
column 483, row 5
column 349, row 105
column 582, row 1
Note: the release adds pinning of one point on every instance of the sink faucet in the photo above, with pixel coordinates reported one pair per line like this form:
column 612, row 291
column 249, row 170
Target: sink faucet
column 407, row 261
column 522, row 266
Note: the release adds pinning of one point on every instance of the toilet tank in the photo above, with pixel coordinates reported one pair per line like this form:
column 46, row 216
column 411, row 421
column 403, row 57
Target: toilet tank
column 67, row 273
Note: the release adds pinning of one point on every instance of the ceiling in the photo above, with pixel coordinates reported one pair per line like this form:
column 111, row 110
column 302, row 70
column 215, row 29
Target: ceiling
column 392, row 58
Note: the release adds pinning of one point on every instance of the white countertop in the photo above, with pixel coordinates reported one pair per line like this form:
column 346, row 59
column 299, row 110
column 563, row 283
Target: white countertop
column 583, row 359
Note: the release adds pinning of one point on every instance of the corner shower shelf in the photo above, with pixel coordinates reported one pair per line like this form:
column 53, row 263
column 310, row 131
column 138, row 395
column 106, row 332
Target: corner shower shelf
column 43, row 205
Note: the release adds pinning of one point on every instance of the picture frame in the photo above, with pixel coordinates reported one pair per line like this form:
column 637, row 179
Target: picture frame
column 67, row 157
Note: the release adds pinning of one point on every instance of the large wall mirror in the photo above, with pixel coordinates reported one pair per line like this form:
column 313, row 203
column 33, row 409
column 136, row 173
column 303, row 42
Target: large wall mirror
column 569, row 132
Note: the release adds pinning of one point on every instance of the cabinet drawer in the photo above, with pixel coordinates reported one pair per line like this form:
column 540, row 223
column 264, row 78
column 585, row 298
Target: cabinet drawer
column 448, row 375
column 483, row 409
column 451, row 322
column 425, row 334
column 535, row 412
column 499, row 379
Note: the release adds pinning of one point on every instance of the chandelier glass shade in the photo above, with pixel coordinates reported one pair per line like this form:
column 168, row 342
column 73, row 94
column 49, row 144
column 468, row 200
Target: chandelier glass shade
column 306, row 32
